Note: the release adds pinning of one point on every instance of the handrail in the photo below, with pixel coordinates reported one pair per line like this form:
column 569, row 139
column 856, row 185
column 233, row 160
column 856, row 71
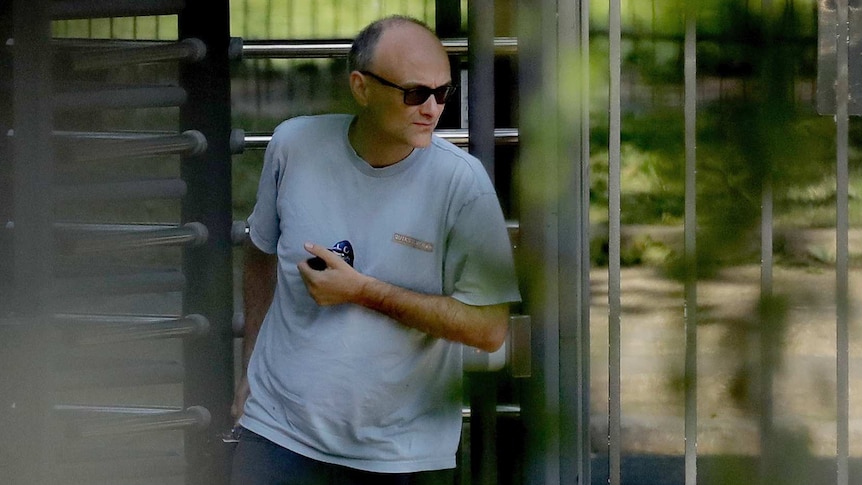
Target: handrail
column 89, row 146
column 88, row 238
column 121, row 97
column 460, row 137
column 329, row 48
column 104, row 329
column 186, row 50
column 194, row 417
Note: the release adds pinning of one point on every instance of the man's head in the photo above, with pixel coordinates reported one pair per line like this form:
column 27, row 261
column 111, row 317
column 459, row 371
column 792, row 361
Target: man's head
column 400, row 77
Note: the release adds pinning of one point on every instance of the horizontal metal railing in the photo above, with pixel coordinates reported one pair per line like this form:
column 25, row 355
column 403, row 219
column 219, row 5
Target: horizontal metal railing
column 88, row 238
column 108, row 283
column 105, row 55
column 460, row 137
column 85, row 100
column 125, row 190
column 89, row 329
column 99, row 372
column 88, row 146
column 305, row 49
column 122, row 421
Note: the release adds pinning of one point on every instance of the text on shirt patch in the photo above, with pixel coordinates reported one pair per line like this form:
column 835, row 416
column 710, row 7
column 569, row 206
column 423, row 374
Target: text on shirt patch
column 413, row 242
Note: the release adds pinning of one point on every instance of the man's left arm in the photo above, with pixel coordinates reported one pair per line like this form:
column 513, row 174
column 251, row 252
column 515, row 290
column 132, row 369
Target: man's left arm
column 483, row 327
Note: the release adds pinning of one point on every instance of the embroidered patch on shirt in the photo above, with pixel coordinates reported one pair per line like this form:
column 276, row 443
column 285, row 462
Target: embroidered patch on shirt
column 413, row 242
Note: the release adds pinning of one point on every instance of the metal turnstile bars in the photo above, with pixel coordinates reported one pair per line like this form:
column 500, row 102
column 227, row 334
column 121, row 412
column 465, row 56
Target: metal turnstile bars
column 89, row 146
column 114, row 55
column 105, row 285
column 85, row 238
column 121, row 97
column 289, row 49
column 85, row 9
column 108, row 329
column 92, row 372
column 195, row 417
column 129, row 190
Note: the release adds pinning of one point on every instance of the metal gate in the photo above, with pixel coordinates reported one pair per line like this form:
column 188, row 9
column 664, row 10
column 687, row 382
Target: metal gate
column 117, row 281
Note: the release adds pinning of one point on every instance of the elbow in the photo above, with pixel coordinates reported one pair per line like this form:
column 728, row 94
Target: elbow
column 495, row 337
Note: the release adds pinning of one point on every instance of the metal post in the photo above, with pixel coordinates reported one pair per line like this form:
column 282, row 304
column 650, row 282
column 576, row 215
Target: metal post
column 208, row 268
column 483, row 387
column 614, row 209
column 554, row 238
column 690, row 245
column 842, row 227
column 573, row 25
column 27, row 345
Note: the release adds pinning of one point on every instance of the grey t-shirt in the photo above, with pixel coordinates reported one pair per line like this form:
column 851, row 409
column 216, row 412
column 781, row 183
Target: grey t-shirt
column 347, row 385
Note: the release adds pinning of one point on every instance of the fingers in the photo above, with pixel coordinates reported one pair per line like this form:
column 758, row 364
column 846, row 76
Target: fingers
column 323, row 259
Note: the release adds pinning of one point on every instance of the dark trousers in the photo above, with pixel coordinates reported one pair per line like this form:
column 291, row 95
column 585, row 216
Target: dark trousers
column 258, row 461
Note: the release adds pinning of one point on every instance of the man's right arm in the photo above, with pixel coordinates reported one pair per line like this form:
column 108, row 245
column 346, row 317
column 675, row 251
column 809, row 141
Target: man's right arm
column 258, row 287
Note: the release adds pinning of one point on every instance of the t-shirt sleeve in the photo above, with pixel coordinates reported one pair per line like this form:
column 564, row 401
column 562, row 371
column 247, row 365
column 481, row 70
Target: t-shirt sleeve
column 264, row 221
column 479, row 268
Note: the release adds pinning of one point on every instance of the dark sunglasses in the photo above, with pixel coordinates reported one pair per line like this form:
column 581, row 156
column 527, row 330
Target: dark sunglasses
column 418, row 95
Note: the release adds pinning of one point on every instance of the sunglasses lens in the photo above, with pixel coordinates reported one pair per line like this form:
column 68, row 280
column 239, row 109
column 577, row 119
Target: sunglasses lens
column 417, row 96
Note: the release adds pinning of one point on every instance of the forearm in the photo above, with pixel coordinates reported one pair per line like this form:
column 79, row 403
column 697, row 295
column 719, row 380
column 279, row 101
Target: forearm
column 259, row 279
column 483, row 327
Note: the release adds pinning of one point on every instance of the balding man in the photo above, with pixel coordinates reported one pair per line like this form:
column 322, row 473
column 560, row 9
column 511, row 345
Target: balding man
column 377, row 250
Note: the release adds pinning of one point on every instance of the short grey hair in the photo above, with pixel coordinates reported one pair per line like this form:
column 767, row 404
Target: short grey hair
column 362, row 51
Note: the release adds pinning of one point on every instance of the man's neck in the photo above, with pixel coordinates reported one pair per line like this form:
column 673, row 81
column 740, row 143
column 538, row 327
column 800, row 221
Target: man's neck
column 367, row 143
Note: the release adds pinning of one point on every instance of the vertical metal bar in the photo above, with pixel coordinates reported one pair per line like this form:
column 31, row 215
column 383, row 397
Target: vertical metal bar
column 480, row 55
column 447, row 24
column 842, row 226
column 208, row 268
column 571, row 70
column 690, row 244
column 767, row 367
column 539, row 219
column 480, row 105
column 24, row 399
column 583, row 336
column 614, row 214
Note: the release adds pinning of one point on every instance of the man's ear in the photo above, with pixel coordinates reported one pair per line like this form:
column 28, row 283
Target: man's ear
column 359, row 88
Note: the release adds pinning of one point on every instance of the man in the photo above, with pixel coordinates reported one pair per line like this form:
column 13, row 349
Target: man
column 355, row 373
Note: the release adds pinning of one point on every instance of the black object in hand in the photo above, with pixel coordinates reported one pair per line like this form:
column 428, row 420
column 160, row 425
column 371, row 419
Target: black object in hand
column 341, row 248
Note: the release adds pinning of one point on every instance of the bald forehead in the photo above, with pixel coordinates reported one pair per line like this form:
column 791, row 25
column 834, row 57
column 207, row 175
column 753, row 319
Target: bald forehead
column 407, row 42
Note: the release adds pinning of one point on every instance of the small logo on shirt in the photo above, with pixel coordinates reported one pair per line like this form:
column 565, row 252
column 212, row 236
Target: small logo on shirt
column 413, row 242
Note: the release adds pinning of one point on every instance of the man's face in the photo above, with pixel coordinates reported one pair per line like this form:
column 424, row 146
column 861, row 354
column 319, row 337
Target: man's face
column 409, row 57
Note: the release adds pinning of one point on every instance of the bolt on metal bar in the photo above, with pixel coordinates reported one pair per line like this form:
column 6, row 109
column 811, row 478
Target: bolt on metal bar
column 90, row 146
column 117, row 98
column 91, row 238
column 104, row 329
column 288, row 49
column 194, row 417
column 186, row 50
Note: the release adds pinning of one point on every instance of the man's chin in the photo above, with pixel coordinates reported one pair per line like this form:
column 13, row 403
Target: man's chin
column 421, row 141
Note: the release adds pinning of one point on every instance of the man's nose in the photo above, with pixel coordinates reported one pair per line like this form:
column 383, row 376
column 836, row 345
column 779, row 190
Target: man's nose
column 430, row 107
